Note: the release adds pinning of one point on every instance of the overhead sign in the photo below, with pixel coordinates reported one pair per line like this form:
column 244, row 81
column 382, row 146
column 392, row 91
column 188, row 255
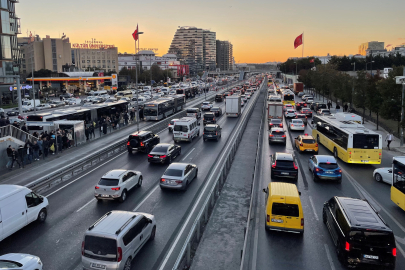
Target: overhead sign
column 400, row 79
column 92, row 44
column 14, row 87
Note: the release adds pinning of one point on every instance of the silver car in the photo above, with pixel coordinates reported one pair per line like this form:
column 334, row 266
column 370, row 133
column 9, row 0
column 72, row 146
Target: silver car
column 178, row 176
column 277, row 135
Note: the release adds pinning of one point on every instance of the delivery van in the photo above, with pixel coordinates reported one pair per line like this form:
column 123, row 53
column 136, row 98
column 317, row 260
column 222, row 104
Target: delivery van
column 19, row 206
column 283, row 208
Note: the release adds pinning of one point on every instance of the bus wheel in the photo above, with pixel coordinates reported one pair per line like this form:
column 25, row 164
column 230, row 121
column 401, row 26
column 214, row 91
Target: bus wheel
column 335, row 152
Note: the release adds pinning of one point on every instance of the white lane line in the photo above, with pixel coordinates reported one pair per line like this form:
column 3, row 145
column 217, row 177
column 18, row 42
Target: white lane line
column 84, row 175
column 400, row 249
column 332, row 266
column 92, row 200
column 313, row 208
column 188, row 154
column 144, row 200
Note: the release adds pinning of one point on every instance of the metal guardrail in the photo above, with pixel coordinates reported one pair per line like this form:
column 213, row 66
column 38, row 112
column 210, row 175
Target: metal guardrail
column 17, row 133
column 69, row 171
column 184, row 258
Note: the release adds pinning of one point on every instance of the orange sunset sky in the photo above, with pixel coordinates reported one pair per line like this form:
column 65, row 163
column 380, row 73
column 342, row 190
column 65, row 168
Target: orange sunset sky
column 260, row 31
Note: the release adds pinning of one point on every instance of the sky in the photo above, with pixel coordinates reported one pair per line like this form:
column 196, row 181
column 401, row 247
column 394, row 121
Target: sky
column 260, row 31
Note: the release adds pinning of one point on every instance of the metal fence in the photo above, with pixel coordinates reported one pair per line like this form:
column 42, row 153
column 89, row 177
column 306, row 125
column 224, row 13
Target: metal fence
column 17, row 133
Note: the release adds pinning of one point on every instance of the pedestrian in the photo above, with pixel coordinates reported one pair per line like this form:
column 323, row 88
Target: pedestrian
column 15, row 158
column 22, row 152
column 9, row 156
column 126, row 118
column 329, row 104
column 35, row 150
column 337, row 107
column 389, row 139
column 86, row 132
column 64, row 141
column 45, row 146
column 91, row 131
column 40, row 143
column 28, row 154
column 52, row 144
column 7, row 121
column 24, row 128
column 59, row 141
column 70, row 138
column 15, row 124
column 345, row 107
column 2, row 121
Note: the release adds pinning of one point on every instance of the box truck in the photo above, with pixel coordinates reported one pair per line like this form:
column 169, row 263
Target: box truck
column 233, row 107
column 275, row 110
column 298, row 87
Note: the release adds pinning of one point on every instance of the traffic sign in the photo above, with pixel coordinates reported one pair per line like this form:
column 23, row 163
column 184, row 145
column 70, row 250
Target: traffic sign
column 400, row 79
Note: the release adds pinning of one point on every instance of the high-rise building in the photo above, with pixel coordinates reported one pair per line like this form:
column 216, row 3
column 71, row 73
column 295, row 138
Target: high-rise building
column 224, row 55
column 194, row 47
column 370, row 46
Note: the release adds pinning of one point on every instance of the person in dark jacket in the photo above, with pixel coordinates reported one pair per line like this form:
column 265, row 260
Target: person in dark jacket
column 64, row 141
column 126, row 118
column 35, row 150
column 24, row 128
column 9, row 156
column 59, row 141
column 28, row 153
column 21, row 154
column 45, row 146
column 15, row 159
column 2, row 121
column 91, row 131
column 86, row 132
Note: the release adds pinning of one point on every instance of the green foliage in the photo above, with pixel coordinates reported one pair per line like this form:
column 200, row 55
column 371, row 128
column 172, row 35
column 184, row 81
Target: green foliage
column 289, row 66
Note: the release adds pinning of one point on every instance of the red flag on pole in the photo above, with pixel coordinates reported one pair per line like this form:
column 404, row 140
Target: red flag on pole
column 312, row 60
column 135, row 33
column 298, row 41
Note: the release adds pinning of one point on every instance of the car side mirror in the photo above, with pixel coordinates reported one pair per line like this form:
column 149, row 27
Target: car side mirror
column 389, row 171
column 264, row 190
column 198, row 123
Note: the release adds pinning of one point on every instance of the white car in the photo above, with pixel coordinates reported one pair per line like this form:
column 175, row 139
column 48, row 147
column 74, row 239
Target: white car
column 115, row 184
column 242, row 103
column 290, row 113
column 244, row 98
column 20, row 261
column 172, row 92
column 73, row 101
column 171, row 124
column 383, row 174
column 247, row 95
column 288, row 107
column 309, row 100
column 206, row 106
column 43, row 106
column 296, row 124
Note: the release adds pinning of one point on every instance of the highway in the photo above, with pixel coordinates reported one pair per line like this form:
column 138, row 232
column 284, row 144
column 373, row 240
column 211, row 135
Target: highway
column 73, row 207
column 315, row 250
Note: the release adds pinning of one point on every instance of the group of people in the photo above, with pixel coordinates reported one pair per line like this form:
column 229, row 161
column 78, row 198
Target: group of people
column 345, row 106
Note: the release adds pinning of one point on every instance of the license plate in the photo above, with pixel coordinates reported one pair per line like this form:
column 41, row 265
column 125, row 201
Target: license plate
column 329, row 172
column 156, row 157
column 364, row 161
column 209, row 135
column 277, row 220
column 309, row 150
column 97, row 266
column 173, row 182
column 103, row 195
column 285, row 173
column 370, row 257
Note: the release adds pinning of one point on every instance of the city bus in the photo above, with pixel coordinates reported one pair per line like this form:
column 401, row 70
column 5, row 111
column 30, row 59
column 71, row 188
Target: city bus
column 288, row 98
column 158, row 109
column 347, row 139
column 398, row 181
column 179, row 102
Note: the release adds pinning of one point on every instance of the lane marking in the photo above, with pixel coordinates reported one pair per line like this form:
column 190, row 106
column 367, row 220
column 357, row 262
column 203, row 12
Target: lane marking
column 59, row 189
column 332, row 266
column 313, row 208
column 188, row 154
column 78, row 210
column 144, row 200
column 399, row 247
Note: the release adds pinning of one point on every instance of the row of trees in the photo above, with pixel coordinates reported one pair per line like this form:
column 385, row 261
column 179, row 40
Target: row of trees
column 145, row 75
column 378, row 95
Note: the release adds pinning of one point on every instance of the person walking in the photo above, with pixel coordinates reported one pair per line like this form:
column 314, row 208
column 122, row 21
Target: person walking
column 9, row 156
column 329, row 104
column 337, row 107
column 86, row 133
column 345, row 107
column 28, row 154
column 389, row 139
column 91, row 132
column 45, row 146
column 15, row 159
column 35, row 150
column 40, row 143
column 70, row 138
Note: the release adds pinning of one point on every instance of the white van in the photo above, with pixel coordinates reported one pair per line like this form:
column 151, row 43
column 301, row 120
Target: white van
column 28, row 105
column 19, row 206
column 185, row 129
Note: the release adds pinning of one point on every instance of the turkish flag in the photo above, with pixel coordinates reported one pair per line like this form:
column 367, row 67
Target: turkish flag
column 298, row 41
column 312, row 60
column 135, row 34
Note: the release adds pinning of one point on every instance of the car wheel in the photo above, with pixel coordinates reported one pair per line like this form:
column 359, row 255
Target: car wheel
column 42, row 215
column 377, row 177
column 140, row 181
column 152, row 234
column 339, row 181
column 186, row 186
column 335, row 152
column 314, row 177
column 127, row 265
column 123, row 196
column 324, row 219
column 170, row 160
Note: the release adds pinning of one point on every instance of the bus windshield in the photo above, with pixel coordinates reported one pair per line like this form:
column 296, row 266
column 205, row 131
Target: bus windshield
column 289, row 97
column 150, row 110
column 366, row 141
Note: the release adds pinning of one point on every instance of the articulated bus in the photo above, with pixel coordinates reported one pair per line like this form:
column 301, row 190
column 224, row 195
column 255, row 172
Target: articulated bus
column 398, row 181
column 288, row 98
column 347, row 139
column 179, row 101
column 159, row 109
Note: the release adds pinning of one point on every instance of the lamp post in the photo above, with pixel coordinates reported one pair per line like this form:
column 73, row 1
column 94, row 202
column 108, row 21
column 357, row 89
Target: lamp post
column 354, row 69
column 371, row 67
column 136, row 85
column 296, row 67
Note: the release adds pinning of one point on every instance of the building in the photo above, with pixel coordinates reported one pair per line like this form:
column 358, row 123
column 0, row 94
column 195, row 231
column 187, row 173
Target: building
column 146, row 59
column 372, row 45
column 47, row 53
column 95, row 55
column 224, row 56
column 194, row 47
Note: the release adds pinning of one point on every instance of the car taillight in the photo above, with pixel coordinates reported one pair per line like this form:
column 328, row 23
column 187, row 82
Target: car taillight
column 271, row 124
column 163, row 156
column 318, row 170
column 83, row 248
column 303, row 126
column 292, row 125
column 281, row 125
column 301, row 144
column 162, row 180
column 295, row 167
column 119, row 254
column 347, row 246
column 127, row 143
column 116, row 188
column 150, row 155
column 216, row 133
column 268, row 218
column 340, row 170
column 142, row 144
column 179, row 182
column 96, row 187
column 316, row 145
column 394, row 252
column 302, row 222
column 274, row 165
column 283, row 136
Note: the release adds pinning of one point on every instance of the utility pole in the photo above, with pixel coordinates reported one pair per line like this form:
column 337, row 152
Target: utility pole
column 402, row 110
column 354, row 69
column 33, row 89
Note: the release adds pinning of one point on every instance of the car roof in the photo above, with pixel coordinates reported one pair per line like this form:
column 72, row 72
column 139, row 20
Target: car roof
column 284, row 156
column 309, row 137
column 112, row 222
column 211, row 125
column 297, row 120
column 215, row 108
column 361, row 214
column 283, row 189
column 325, row 158
column 178, row 166
column 9, row 190
column 141, row 133
column 114, row 174
column 164, row 144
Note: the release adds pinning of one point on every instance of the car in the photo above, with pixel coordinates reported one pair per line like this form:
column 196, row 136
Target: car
column 212, row 132
column 66, row 95
column 309, row 100
column 304, row 97
column 383, row 175
column 216, row 110
column 164, row 153
column 300, row 105
column 300, row 94
column 101, row 100
column 323, row 112
column 277, row 135
column 306, row 111
column 178, row 176
column 318, row 105
column 248, row 95
column 171, row 124
column 209, row 118
column 324, row 167
column 43, row 106
column 13, row 112
column 242, row 103
column 142, row 141
column 193, row 112
column 20, row 261
column 287, row 107
column 275, row 122
column 360, row 235
column 290, row 113
column 283, row 165
column 306, row 143
column 206, row 106
column 303, row 117
column 186, row 129
column 296, row 124
column 55, row 104
column 114, row 240
column 115, row 184
column 219, row 97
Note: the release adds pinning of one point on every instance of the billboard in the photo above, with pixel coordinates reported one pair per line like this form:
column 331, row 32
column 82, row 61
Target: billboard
column 114, row 81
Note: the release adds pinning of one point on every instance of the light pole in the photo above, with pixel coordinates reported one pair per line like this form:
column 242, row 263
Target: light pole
column 136, row 85
column 354, row 69
column 296, row 67
column 371, row 67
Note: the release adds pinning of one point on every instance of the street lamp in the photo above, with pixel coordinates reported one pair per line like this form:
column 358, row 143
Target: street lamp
column 371, row 67
column 296, row 67
column 354, row 69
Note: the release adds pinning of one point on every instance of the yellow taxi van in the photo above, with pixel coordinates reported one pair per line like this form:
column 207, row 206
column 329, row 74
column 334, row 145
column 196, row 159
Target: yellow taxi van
column 283, row 208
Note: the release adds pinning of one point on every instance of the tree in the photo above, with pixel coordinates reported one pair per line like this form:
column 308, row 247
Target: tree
column 360, row 93
column 374, row 97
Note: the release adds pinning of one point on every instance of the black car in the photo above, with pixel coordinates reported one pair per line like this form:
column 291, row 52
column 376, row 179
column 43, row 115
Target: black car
column 275, row 122
column 216, row 110
column 219, row 97
column 164, row 153
column 319, row 106
column 212, row 132
column 13, row 113
column 209, row 118
column 65, row 95
column 142, row 141
column 283, row 165
column 361, row 236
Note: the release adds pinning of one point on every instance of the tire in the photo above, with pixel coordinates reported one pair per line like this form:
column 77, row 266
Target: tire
column 314, row 178
column 339, row 181
column 127, row 265
column 170, row 160
column 140, row 181
column 377, row 177
column 186, row 186
column 272, row 175
column 152, row 234
column 42, row 215
column 335, row 153
column 123, row 196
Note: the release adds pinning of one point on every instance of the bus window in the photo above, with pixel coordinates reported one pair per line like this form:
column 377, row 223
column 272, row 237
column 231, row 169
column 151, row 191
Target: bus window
column 399, row 176
column 366, row 141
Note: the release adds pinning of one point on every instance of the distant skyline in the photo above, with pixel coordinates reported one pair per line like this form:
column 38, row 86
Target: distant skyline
column 260, row 31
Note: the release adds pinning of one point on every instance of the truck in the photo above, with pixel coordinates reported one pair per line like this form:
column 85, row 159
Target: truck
column 274, row 110
column 233, row 106
column 298, row 87
column 28, row 105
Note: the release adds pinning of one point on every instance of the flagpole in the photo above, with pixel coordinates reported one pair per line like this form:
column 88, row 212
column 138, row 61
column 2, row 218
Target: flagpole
column 136, row 86
column 302, row 44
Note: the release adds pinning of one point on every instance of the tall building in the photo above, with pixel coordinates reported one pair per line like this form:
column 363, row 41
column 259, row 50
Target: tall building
column 194, row 47
column 47, row 53
column 224, row 55
column 98, row 58
column 370, row 46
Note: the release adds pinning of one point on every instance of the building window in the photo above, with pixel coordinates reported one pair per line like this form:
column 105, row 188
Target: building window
column 103, row 61
column 113, row 61
column 54, row 61
column 103, row 66
column 3, row 4
column 88, row 61
column 53, row 55
column 94, row 61
column 108, row 61
column 83, row 61
column 55, row 68
column 5, row 47
column 5, row 22
column 24, row 66
column 114, row 67
column 98, row 61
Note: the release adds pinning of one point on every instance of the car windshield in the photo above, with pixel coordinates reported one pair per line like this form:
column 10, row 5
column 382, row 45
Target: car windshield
column 162, row 149
column 328, row 165
column 285, row 163
column 210, row 129
column 301, row 116
column 308, row 141
column 277, row 132
column 214, row 109
column 191, row 110
column 181, row 128
column 284, row 209
column 174, row 172
column 108, row 182
column 366, row 141
column 100, row 248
